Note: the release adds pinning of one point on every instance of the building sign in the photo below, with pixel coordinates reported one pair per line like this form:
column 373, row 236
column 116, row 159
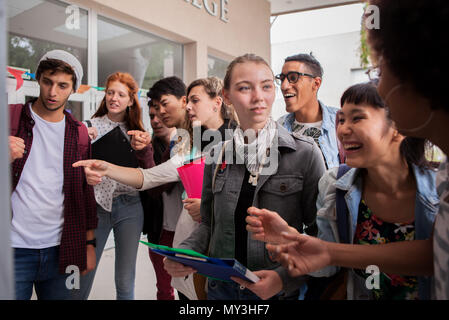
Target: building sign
column 213, row 7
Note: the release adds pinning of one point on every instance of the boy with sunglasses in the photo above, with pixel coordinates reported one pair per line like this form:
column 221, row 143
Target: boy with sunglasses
column 299, row 81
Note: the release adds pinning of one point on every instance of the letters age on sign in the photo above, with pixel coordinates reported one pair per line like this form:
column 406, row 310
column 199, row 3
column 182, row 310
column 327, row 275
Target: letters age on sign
column 211, row 7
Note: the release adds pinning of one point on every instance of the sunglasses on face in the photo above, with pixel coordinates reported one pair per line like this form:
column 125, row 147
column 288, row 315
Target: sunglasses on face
column 291, row 76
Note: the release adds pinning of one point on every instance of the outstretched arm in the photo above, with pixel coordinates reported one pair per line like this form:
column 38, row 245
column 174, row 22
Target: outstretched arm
column 305, row 254
column 96, row 169
column 267, row 226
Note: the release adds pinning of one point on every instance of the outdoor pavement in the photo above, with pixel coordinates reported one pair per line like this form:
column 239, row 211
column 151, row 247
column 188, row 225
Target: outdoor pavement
column 104, row 287
column 145, row 285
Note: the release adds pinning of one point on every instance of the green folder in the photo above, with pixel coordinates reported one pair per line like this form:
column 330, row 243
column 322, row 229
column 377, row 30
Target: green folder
column 215, row 268
column 175, row 250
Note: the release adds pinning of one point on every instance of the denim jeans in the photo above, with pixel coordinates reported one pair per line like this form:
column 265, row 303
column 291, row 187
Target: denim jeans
column 163, row 279
column 126, row 221
column 39, row 267
column 221, row 290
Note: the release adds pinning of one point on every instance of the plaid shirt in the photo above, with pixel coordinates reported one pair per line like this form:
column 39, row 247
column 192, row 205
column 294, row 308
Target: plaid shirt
column 80, row 213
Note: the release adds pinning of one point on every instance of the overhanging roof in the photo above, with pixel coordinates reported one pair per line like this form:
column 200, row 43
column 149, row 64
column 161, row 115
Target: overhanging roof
column 279, row 7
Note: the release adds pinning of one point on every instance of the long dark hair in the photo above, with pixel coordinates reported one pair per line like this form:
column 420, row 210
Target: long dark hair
column 413, row 150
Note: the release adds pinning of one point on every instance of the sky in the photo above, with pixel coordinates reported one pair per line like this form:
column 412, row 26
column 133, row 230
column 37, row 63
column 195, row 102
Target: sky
column 316, row 23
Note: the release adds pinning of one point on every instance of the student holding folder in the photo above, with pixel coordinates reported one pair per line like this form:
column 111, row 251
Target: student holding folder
column 176, row 109
column 270, row 168
column 120, row 138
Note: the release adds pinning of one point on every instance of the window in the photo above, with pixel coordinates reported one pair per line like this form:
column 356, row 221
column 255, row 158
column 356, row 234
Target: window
column 38, row 26
column 216, row 67
column 146, row 57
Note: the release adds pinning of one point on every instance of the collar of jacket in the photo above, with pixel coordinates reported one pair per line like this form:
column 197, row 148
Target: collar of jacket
column 285, row 138
column 426, row 187
column 328, row 122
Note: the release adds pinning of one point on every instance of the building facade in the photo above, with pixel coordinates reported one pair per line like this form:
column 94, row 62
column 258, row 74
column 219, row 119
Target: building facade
column 149, row 39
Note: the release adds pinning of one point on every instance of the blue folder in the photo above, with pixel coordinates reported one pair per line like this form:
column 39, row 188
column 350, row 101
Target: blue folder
column 219, row 269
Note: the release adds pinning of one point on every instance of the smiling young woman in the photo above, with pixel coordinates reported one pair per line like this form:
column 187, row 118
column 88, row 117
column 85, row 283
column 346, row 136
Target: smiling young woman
column 390, row 194
column 230, row 189
column 418, row 105
column 119, row 206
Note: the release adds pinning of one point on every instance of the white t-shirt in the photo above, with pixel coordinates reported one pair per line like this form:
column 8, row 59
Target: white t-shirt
column 312, row 129
column 38, row 200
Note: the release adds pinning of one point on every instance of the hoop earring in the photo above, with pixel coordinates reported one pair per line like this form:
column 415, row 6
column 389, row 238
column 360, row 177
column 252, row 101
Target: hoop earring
column 411, row 130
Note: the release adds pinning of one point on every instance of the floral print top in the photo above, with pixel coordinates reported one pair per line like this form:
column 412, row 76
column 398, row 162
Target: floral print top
column 371, row 230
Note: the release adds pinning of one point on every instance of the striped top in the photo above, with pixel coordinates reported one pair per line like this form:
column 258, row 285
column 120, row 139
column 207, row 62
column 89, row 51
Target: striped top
column 441, row 236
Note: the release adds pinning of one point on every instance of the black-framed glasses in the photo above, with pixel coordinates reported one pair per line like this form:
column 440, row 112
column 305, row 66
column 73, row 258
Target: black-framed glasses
column 292, row 77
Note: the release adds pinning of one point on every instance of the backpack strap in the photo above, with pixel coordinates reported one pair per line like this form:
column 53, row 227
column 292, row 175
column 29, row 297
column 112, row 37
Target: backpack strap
column 15, row 112
column 342, row 208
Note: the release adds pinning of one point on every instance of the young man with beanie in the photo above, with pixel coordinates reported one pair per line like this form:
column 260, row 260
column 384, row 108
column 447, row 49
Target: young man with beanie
column 53, row 207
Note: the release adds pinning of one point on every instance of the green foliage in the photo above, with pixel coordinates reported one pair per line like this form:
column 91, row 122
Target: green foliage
column 364, row 49
column 24, row 52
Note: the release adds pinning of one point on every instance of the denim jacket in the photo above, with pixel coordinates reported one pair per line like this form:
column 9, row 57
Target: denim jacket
column 328, row 139
column 426, row 208
column 291, row 190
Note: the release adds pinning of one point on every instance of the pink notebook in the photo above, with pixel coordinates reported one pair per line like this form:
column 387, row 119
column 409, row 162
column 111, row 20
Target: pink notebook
column 191, row 175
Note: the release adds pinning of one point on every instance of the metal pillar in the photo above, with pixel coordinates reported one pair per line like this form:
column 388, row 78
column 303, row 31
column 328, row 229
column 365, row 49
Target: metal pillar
column 6, row 258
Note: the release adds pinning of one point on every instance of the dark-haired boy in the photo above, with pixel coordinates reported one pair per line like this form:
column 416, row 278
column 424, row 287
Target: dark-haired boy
column 168, row 99
column 168, row 96
column 163, row 207
column 53, row 207
column 300, row 81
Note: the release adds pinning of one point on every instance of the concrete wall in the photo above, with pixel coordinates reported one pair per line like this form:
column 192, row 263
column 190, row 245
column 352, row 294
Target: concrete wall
column 338, row 55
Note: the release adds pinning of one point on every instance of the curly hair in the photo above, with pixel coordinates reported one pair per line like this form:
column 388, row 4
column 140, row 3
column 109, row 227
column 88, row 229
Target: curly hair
column 412, row 41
